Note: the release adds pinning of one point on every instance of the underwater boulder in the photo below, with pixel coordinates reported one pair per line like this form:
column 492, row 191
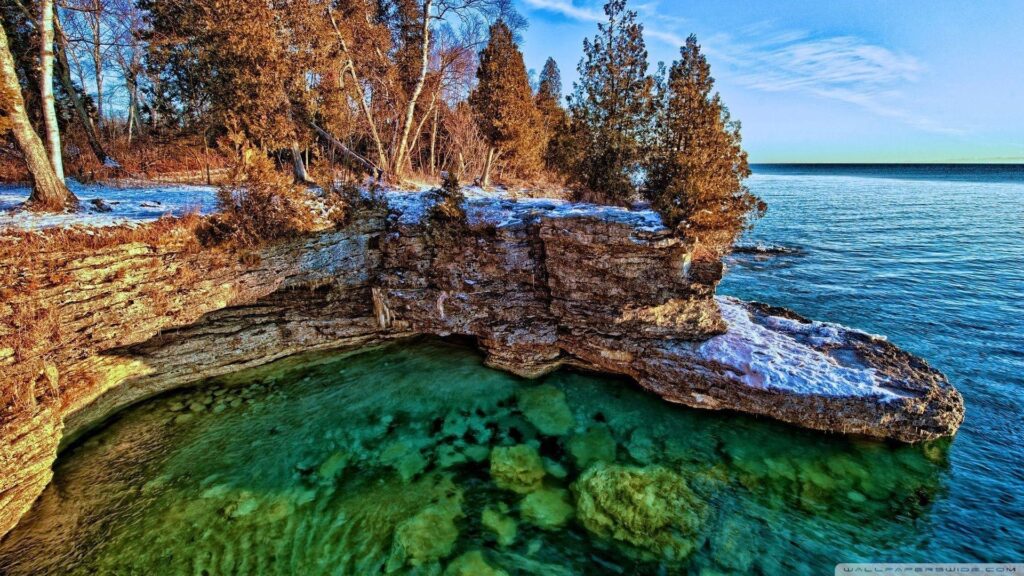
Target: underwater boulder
column 545, row 407
column 472, row 564
column 428, row 536
column 517, row 468
column 594, row 445
column 650, row 508
column 500, row 523
column 547, row 508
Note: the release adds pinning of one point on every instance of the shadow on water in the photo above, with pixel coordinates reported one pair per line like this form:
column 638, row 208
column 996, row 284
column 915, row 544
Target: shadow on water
column 416, row 459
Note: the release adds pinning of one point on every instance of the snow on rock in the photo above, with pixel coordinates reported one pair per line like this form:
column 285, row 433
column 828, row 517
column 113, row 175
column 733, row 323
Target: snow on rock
column 772, row 352
column 501, row 209
column 109, row 205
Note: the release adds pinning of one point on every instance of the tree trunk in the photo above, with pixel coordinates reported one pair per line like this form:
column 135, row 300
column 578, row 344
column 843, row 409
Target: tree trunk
column 131, row 115
column 433, row 143
column 301, row 175
column 382, row 160
column 487, row 167
column 419, row 130
column 48, row 191
column 46, row 87
column 410, row 111
column 337, row 144
column 64, row 76
column 97, row 58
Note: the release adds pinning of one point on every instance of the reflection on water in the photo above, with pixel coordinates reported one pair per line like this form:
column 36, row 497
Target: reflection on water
column 416, row 459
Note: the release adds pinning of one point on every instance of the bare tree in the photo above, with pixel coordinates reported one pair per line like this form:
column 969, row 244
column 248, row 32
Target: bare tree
column 46, row 87
column 63, row 67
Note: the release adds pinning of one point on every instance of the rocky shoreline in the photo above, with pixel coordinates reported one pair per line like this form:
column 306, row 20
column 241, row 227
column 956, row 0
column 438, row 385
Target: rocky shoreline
column 540, row 284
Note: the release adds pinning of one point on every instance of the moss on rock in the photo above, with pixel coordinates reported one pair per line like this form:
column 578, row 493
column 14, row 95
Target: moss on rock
column 517, row 468
column 651, row 508
column 547, row 508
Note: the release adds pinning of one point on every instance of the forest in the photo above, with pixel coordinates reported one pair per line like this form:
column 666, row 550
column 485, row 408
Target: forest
column 282, row 96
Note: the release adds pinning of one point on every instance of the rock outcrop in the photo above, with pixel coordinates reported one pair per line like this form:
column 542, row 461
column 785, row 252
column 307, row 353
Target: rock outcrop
column 540, row 284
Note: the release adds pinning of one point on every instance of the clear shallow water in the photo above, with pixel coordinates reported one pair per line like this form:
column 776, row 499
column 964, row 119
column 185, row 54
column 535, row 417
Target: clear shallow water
column 417, row 459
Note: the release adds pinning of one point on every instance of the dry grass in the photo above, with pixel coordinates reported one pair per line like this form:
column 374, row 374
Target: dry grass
column 178, row 158
column 19, row 247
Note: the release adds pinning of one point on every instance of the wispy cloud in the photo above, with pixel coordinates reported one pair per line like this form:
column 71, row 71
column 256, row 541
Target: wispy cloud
column 568, row 9
column 762, row 57
column 843, row 68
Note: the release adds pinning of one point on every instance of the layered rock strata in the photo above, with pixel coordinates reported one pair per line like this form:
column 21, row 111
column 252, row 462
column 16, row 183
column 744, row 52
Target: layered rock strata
column 540, row 284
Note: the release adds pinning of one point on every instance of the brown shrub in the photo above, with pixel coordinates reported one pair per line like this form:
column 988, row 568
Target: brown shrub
column 260, row 204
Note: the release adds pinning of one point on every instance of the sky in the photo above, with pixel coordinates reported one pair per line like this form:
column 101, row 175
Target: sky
column 834, row 81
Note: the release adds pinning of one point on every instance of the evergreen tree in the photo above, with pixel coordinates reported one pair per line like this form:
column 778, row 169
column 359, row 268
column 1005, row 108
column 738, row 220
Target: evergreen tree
column 550, row 86
column 611, row 107
column 556, row 120
column 503, row 104
column 697, row 165
column 225, row 59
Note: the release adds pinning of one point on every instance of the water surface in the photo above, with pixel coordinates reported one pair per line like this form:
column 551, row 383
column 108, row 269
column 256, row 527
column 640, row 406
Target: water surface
column 416, row 457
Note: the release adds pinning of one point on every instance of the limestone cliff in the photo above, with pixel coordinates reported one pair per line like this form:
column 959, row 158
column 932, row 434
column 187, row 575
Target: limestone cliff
column 539, row 284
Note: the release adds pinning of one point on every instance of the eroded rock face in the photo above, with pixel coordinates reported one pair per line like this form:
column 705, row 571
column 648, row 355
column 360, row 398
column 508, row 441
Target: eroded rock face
column 539, row 284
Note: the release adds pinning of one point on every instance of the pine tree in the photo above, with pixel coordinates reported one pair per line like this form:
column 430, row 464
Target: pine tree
column 558, row 151
column 503, row 104
column 223, row 63
column 697, row 166
column 611, row 107
column 550, row 87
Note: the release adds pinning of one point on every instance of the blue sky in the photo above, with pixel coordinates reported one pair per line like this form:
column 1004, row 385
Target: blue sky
column 835, row 81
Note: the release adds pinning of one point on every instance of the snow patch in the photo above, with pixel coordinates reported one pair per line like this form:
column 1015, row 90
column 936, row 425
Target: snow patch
column 499, row 208
column 127, row 204
column 781, row 354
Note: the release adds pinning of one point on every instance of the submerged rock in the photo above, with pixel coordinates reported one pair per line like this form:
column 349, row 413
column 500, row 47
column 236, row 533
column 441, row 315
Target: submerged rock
column 547, row 508
column 497, row 520
column 651, row 509
column 428, row 536
column 333, row 466
column 517, row 468
column 545, row 407
column 594, row 445
column 404, row 458
column 472, row 564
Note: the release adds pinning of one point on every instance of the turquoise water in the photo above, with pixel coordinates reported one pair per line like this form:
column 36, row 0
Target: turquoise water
column 417, row 459
column 932, row 257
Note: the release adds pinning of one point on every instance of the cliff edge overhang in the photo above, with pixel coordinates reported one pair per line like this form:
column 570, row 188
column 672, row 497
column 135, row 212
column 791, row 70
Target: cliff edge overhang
column 539, row 284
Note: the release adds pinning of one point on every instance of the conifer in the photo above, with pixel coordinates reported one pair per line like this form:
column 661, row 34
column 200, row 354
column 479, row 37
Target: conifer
column 611, row 108
column 558, row 151
column 503, row 104
column 697, row 165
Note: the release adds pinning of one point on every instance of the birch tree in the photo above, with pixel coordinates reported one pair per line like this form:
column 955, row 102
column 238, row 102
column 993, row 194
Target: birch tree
column 46, row 88
column 48, row 191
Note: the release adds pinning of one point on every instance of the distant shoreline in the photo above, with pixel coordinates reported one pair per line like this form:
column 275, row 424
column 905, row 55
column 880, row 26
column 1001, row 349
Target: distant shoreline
column 981, row 173
column 1019, row 165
